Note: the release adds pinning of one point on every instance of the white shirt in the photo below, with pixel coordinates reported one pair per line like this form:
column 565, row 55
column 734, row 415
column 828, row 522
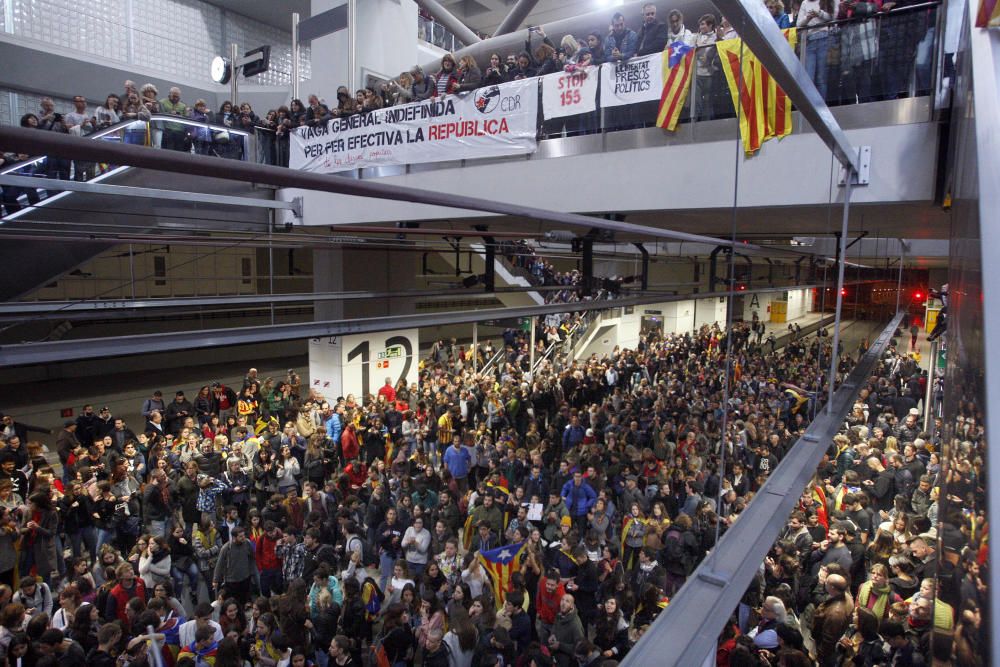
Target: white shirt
column 187, row 630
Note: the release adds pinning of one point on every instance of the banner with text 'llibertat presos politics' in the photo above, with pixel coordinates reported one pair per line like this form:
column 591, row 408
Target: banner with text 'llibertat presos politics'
column 489, row 122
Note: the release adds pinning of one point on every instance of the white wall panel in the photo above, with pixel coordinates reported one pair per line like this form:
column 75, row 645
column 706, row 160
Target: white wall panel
column 95, row 27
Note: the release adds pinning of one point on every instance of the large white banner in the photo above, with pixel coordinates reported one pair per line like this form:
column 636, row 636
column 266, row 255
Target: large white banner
column 629, row 82
column 359, row 364
column 568, row 94
column 489, row 122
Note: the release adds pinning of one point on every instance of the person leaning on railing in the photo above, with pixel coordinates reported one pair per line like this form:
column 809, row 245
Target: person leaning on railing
column 134, row 110
column 469, row 75
column 175, row 137
column 814, row 15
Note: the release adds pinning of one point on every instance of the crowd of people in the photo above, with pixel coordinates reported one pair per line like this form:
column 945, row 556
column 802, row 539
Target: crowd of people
column 871, row 63
column 269, row 525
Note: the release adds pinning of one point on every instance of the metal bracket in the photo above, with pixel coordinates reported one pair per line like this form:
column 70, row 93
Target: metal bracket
column 863, row 175
column 297, row 207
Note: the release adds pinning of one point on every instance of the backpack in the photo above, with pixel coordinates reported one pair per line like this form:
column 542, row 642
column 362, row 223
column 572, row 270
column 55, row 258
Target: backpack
column 673, row 549
column 368, row 555
column 378, row 657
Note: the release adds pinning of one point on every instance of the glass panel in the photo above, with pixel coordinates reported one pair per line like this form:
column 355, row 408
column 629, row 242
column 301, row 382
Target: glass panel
column 160, row 132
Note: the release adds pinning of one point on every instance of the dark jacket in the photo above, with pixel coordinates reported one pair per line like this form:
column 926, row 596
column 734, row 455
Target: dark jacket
column 568, row 631
column 176, row 413
column 652, row 38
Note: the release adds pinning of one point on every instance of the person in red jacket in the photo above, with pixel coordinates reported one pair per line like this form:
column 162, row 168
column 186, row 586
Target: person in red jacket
column 268, row 563
column 349, row 443
column 550, row 593
column 388, row 391
column 129, row 586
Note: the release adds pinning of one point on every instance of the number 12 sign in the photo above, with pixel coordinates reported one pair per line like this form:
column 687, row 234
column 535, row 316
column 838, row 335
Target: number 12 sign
column 369, row 359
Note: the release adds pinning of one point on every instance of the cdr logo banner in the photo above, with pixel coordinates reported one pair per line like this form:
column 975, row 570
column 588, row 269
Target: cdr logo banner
column 632, row 81
column 489, row 122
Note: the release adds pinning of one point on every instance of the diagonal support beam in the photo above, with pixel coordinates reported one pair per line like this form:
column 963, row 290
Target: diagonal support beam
column 149, row 193
column 515, row 17
column 449, row 21
column 761, row 35
column 24, row 140
column 688, row 630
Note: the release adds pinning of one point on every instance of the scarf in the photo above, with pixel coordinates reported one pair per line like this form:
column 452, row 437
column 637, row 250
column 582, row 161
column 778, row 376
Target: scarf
column 878, row 606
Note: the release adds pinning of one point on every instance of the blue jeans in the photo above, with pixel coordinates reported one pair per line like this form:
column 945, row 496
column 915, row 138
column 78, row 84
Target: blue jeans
column 162, row 528
column 103, row 537
column 817, row 45
column 416, row 569
column 925, row 56
column 385, row 565
column 192, row 573
column 322, row 656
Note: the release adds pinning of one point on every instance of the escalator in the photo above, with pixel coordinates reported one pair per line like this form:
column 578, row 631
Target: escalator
column 34, row 217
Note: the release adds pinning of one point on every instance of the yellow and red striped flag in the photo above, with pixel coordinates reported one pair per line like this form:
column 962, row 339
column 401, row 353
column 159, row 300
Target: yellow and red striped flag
column 500, row 564
column 763, row 108
column 777, row 106
column 467, row 533
column 678, row 63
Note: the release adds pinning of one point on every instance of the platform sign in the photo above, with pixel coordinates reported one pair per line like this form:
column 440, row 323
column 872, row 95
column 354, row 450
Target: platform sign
column 359, row 364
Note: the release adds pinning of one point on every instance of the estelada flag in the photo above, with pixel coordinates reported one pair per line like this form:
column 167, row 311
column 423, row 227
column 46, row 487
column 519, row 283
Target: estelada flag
column 500, row 564
column 678, row 63
column 371, row 597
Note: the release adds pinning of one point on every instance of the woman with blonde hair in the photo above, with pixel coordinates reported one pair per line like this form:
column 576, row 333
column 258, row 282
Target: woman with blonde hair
column 569, row 46
column 469, row 75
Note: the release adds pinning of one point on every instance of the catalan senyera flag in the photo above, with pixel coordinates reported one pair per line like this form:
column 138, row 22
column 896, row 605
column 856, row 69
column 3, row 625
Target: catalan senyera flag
column 678, row 63
column 777, row 106
column 763, row 108
column 467, row 533
column 501, row 563
column 819, row 495
column 626, row 524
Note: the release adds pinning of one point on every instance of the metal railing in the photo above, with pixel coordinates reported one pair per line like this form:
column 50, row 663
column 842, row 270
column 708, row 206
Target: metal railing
column 160, row 131
column 867, row 58
column 492, row 365
column 432, row 32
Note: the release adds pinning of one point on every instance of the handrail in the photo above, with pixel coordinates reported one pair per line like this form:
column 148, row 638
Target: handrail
column 860, row 19
column 552, row 346
column 493, row 362
column 131, row 124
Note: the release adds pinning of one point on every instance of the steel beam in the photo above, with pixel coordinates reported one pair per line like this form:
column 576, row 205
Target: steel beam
column 762, row 36
column 450, row 21
column 150, row 193
column 94, row 348
column 23, row 140
column 689, row 628
column 515, row 17
column 67, row 308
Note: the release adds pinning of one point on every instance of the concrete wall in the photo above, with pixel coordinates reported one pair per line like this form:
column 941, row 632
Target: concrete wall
column 660, row 178
column 799, row 302
column 386, row 43
column 707, row 311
